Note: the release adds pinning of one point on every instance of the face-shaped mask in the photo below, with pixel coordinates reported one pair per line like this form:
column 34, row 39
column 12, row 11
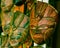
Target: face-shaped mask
column 42, row 22
column 20, row 27
column 6, row 5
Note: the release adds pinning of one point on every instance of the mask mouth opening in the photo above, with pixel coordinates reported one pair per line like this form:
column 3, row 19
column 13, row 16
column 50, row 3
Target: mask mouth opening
column 14, row 44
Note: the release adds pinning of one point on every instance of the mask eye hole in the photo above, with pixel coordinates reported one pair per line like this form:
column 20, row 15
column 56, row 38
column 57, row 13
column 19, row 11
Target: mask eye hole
column 29, row 6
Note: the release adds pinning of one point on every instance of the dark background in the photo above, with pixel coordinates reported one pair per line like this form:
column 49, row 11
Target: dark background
column 56, row 36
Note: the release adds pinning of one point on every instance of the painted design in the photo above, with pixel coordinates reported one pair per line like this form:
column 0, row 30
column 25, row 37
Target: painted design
column 21, row 30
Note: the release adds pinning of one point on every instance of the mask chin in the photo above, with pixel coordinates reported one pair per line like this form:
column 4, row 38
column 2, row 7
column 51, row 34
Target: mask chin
column 14, row 44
